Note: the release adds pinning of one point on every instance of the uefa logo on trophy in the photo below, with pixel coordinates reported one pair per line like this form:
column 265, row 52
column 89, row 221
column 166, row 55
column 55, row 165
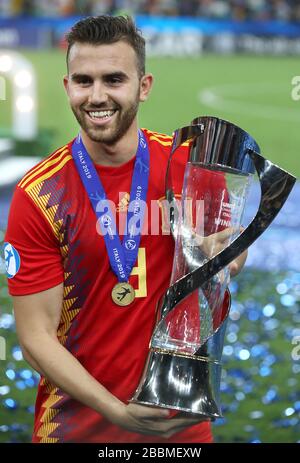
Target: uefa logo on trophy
column 183, row 369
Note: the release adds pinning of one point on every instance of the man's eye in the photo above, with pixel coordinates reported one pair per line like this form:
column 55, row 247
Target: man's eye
column 83, row 80
column 114, row 80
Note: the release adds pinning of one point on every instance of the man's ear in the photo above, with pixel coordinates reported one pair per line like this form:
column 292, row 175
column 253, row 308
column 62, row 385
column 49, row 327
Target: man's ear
column 66, row 83
column 145, row 86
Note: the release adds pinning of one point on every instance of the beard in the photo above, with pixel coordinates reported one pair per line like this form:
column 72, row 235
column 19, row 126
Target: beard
column 123, row 119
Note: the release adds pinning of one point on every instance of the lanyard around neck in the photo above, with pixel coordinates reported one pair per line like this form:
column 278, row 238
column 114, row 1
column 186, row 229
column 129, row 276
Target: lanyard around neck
column 122, row 256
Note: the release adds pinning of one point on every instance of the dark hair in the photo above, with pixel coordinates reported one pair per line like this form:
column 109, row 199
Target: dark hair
column 98, row 30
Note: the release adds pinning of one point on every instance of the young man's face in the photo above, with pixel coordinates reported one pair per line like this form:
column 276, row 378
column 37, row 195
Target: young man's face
column 104, row 89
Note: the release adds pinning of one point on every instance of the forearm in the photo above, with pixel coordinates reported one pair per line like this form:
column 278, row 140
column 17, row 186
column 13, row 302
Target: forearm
column 31, row 361
column 62, row 369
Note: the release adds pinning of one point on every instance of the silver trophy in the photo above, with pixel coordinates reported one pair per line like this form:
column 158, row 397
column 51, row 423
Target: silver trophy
column 183, row 368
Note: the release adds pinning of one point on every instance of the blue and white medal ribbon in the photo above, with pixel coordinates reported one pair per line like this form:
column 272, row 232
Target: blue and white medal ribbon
column 122, row 256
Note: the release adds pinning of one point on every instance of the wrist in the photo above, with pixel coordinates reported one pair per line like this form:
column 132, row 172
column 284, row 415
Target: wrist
column 109, row 406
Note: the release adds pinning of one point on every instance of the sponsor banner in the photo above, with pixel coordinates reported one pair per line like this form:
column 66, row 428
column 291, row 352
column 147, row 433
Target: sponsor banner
column 25, row 37
column 167, row 36
column 192, row 36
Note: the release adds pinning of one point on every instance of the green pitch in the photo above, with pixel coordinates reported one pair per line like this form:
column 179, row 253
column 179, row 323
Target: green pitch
column 253, row 92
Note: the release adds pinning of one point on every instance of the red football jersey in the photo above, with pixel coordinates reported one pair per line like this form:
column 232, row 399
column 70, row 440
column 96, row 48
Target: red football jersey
column 52, row 226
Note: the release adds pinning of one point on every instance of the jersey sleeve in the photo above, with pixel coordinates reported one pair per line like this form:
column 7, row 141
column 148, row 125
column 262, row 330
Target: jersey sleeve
column 31, row 251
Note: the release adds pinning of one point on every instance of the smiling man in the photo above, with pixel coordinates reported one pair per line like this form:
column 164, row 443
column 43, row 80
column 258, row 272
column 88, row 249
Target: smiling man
column 85, row 290
column 105, row 85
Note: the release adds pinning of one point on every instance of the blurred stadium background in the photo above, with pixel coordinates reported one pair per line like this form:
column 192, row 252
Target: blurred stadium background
column 238, row 60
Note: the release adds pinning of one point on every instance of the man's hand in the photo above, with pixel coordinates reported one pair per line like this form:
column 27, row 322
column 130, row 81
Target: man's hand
column 215, row 243
column 154, row 421
column 236, row 265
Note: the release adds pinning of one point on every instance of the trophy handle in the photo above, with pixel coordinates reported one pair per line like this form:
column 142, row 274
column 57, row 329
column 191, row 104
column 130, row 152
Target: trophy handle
column 276, row 185
column 180, row 136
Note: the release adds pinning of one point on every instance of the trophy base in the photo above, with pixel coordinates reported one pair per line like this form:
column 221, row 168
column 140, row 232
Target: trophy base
column 180, row 382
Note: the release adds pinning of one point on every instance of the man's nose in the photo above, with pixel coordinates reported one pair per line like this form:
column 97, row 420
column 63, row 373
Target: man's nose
column 98, row 94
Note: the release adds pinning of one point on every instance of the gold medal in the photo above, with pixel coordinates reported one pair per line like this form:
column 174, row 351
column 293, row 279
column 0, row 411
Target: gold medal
column 123, row 294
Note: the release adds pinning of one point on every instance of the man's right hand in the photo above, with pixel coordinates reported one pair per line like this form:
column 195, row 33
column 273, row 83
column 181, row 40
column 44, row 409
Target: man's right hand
column 154, row 421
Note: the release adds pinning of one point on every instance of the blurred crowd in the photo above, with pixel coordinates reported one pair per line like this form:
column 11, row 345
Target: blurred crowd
column 239, row 10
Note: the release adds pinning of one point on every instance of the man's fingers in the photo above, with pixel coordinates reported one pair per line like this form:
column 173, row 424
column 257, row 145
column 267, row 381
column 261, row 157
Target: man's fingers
column 233, row 268
column 175, row 424
column 237, row 264
column 158, row 421
column 198, row 416
column 224, row 234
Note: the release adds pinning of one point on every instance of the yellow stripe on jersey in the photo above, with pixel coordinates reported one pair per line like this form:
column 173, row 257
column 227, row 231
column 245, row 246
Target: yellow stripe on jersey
column 43, row 168
column 159, row 135
column 48, row 174
column 167, row 143
column 40, row 165
column 164, row 143
column 41, row 202
column 165, row 140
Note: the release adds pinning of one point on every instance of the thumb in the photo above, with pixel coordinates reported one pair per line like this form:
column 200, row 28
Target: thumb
column 233, row 268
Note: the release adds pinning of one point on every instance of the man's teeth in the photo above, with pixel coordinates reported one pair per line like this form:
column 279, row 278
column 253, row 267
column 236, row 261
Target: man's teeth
column 101, row 114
